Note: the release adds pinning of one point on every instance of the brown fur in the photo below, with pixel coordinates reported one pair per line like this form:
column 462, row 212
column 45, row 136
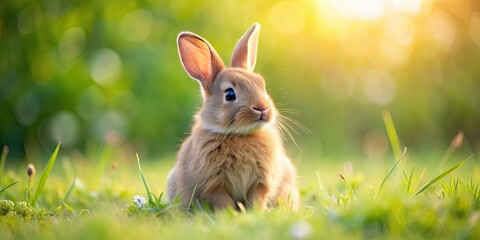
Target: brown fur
column 234, row 153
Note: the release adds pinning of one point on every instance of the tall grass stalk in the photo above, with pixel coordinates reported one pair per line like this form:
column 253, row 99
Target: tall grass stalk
column 44, row 176
column 149, row 194
column 350, row 189
column 321, row 187
column 70, row 189
column 409, row 179
column 389, row 172
column 392, row 134
column 105, row 154
column 7, row 187
column 455, row 144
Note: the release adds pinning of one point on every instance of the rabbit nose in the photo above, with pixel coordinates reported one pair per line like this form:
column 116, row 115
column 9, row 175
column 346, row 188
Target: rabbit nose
column 262, row 110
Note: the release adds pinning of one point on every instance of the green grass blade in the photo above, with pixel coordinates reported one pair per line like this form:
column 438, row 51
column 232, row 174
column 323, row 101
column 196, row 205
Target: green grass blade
column 70, row 209
column 455, row 144
column 45, row 175
column 54, row 212
column 389, row 173
column 405, row 175
column 409, row 183
column 3, row 159
column 321, row 187
column 149, row 194
column 421, row 176
column 70, row 190
column 7, row 187
column 396, row 163
column 103, row 159
column 350, row 189
column 191, row 198
column 392, row 134
column 443, row 174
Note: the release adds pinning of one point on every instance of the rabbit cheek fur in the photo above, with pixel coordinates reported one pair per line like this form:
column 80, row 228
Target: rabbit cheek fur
column 234, row 153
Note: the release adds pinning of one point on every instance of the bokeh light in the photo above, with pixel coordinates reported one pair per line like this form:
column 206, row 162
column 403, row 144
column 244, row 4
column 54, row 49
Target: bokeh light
column 27, row 108
column 72, row 43
column 136, row 25
column 111, row 127
column 90, row 103
column 64, row 127
column 375, row 144
column 442, row 29
column 337, row 82
column 29, row 19
column 378, row 87
column 474, row 27
column 105, row 67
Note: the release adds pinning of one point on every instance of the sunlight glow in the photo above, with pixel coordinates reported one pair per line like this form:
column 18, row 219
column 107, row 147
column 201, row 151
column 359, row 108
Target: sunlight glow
column 408, row 6
column 368, row 9
column 288, row 17
column 356, row 9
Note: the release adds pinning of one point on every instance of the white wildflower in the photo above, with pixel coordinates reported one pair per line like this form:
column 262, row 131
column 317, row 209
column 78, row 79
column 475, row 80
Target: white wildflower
column 139, row 200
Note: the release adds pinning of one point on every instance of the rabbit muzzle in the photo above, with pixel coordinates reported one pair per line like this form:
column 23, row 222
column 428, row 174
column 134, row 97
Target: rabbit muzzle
column 263, row 112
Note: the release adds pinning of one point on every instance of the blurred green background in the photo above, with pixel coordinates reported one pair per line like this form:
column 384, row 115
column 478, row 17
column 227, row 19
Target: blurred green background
column 106, row 73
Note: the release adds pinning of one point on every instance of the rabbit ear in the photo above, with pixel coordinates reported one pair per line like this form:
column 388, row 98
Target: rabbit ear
column 199, row 58
column 245, row 52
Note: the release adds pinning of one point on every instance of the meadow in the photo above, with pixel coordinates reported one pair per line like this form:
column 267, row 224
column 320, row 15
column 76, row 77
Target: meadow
column 410, row 197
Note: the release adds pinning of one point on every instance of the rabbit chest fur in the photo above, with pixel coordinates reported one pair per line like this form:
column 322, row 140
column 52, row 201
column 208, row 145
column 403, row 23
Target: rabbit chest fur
column 237, row 163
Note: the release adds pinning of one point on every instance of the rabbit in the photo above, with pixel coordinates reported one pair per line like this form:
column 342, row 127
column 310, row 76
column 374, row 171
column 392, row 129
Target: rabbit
column 235, row 153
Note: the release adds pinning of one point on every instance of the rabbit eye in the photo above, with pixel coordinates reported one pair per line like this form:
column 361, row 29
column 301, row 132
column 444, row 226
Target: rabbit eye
column 230, row 95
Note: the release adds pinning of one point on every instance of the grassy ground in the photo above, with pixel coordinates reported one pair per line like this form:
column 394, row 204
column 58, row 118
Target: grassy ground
column 408, row 196
column 100, row 204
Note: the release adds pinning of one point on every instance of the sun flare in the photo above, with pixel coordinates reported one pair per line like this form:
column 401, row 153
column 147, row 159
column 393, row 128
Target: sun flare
column 368, row 9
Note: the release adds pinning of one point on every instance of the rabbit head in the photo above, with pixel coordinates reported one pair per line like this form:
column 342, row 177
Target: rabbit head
column 235, row 98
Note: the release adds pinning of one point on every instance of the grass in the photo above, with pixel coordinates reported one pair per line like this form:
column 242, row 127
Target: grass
column 361, row 202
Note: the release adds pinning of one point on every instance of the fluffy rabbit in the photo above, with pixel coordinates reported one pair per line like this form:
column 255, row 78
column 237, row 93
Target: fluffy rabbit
column 235, row 153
